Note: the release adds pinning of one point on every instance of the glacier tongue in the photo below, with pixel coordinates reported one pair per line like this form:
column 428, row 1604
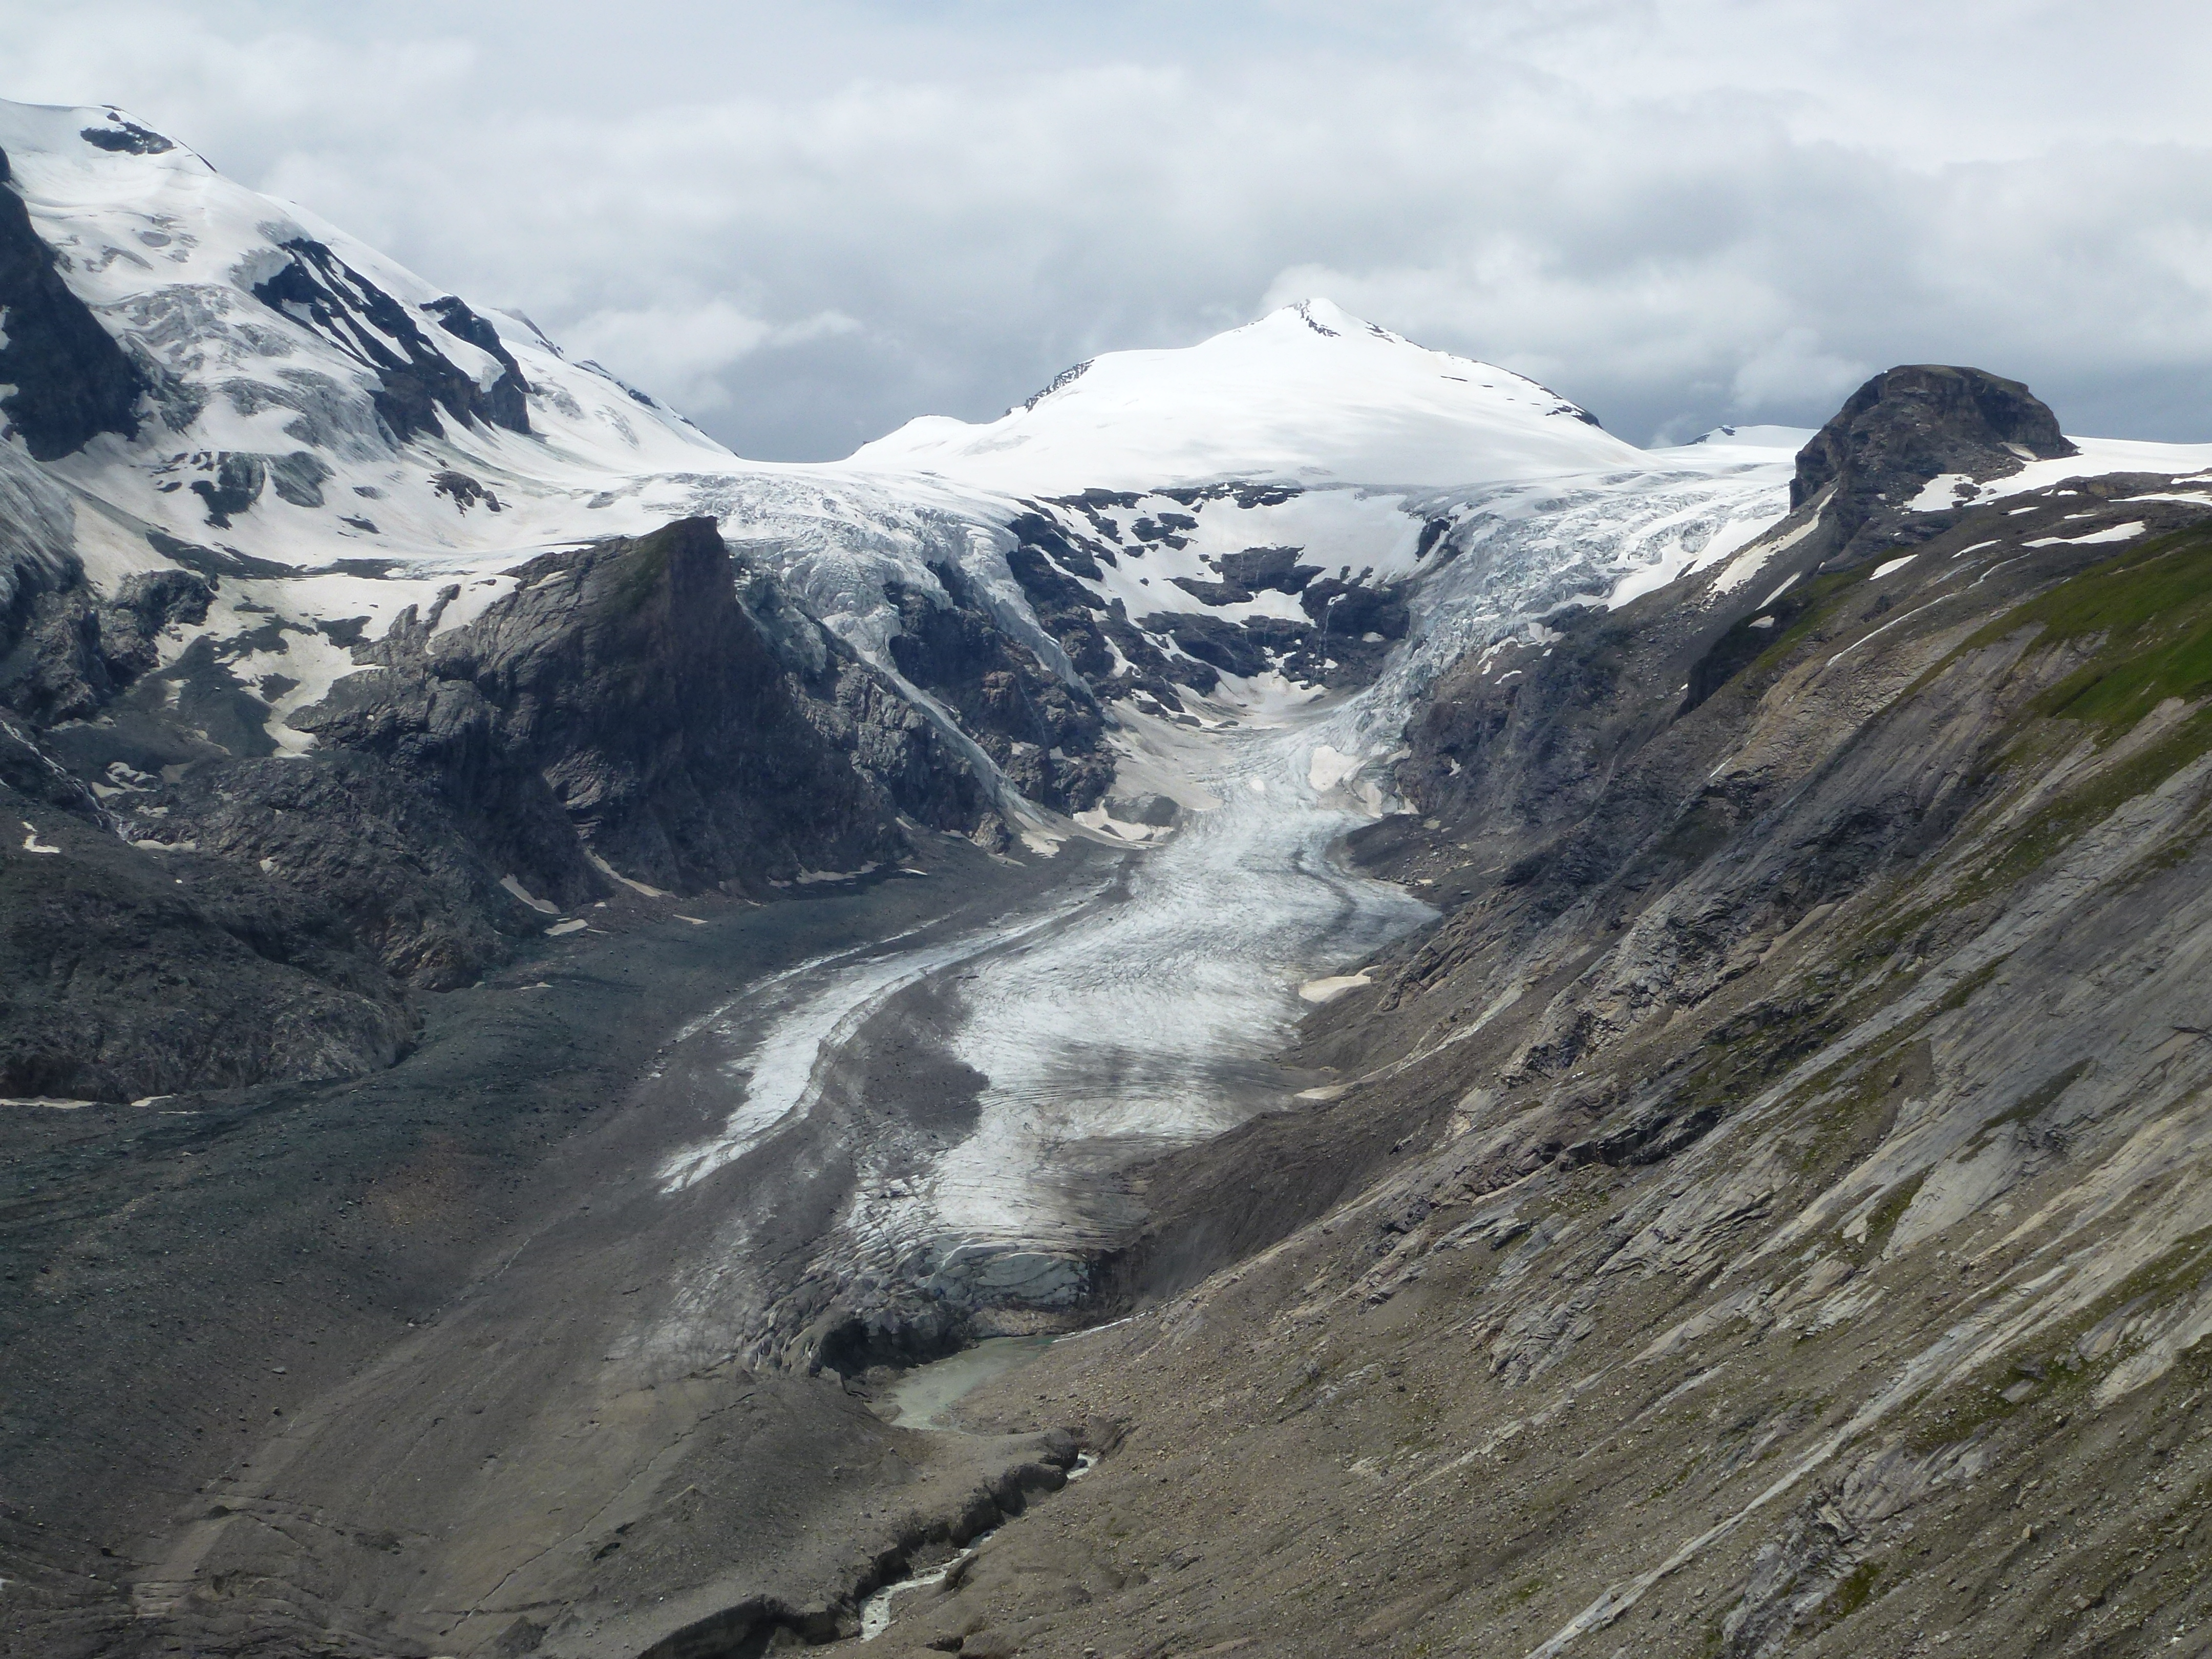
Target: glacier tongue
column 1153, row 1014
column 1216, row 575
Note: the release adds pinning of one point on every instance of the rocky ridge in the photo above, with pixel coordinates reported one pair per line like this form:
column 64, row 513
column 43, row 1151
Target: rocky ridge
column 615, row 721
column 1764, row 1216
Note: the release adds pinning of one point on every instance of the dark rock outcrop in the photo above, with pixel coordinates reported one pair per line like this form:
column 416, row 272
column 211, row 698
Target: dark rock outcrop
column 1905, row 427
column 1046, row 562
column 507, row 401
column 619, row 704
column 235, row 487
column 1042, row 733
column 1276, row 567
column 67, row 380
column 1855, row 492
column 415, row 381
column 123, row 136
column 76, row 653
column 1352, row 620
column 622, row 715
column 1214, row 641
column 124, row 978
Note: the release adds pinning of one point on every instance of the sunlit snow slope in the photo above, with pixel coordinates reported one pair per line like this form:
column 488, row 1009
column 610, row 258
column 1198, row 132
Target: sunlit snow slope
column 1309, row 394
column 260, row 331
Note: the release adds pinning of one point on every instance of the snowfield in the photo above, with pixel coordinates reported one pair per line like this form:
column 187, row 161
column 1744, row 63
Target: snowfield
column 1308, row 394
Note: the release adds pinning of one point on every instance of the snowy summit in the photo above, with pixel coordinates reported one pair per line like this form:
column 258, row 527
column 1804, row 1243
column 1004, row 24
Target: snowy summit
column 1309, row 394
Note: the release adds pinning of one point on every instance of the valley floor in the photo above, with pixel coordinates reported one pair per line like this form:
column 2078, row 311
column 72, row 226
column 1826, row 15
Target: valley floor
column 427, row 1358
column 331, row 1324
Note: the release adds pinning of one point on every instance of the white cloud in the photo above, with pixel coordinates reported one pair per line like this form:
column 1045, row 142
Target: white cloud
column 807, row 224
column 1792, row 368
column 682, row 352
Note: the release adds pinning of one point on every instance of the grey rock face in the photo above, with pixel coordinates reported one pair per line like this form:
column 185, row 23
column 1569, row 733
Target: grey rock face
column 417, row 379
column 1906, row 426
column 1042, row 733
column 76, row 652
column 125, row 978
column 903, row 752
column 38, row 537
column 621, row 711
column 70, row 381
column 1157, row 812
column 382, row 853
column 620, row 695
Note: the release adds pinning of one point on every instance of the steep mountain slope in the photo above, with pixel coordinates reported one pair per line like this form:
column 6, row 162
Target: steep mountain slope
column 1760, row 1213
column 468, row 785
column 1766, row 1215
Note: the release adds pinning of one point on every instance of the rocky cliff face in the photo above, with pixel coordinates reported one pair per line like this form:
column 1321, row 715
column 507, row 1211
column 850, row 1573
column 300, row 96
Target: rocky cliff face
column 1046, row 734
column 1767, row 1214
column 1918, row 429
column 617, row 709
column 616, row 723
column 67, row 380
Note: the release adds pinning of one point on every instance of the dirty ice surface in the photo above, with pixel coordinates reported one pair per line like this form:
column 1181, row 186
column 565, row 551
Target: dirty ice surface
column 1126, row 1017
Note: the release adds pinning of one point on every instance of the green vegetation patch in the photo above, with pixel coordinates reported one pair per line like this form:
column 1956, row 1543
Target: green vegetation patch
column 2150, row 611
column 1845, row 1127
column 1966, row 1414
column 2164, row 1279
column 2090, row 802
column 1811, row 605
column 1882, row 1221
column 2143, row 620
column 1749, row 658
column 1848, row 1597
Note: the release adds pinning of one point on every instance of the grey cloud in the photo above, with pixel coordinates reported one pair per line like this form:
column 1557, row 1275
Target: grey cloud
column 806, row 225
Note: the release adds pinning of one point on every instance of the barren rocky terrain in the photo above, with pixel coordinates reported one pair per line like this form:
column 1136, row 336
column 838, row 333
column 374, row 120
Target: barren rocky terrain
column 1765, row 1216
column 717, row 1059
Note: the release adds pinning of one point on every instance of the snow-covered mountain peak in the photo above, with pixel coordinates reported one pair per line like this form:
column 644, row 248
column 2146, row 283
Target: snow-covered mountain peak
column 79, row 137
column 275, row 380
column 1308, row 393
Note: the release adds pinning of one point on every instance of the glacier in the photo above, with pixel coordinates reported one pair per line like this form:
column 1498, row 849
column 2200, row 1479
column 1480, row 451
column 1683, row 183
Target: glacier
column 1174, row 534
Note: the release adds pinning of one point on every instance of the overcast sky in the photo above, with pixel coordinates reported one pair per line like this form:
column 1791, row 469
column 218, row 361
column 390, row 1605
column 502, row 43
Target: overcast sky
column 803, row 224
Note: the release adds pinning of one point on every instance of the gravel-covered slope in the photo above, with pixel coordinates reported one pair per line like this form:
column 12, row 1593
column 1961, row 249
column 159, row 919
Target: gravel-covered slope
column 1767, row 1214
column 361, row 1366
